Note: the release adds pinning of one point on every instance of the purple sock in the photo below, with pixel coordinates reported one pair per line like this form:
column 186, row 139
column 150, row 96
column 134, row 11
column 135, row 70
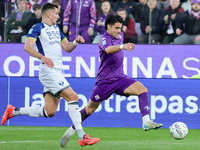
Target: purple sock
column 144, row 104
column 84, row 115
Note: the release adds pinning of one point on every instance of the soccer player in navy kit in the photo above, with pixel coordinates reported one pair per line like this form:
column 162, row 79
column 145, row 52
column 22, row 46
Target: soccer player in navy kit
column 45, row 42
column 111, row 78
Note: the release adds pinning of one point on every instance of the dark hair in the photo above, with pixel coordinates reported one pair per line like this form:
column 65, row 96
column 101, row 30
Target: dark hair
column 36, row 6
column 47, row 6
column 100, row 12
column 112, row 19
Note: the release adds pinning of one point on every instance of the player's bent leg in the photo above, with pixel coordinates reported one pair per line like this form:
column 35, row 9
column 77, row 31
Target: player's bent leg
column 51, row 104
column 92, row 106
column 70, row 95
column 135, row 89
column 33, row 111
column 89, row 109
column 139, row 89
column 70, row 132
column 145, row 110
column 85, row 112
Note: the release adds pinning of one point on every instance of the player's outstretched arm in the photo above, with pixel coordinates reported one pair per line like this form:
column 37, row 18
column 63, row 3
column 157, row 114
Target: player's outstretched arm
column 29, row 42
column 115, row 49
column 70, row 46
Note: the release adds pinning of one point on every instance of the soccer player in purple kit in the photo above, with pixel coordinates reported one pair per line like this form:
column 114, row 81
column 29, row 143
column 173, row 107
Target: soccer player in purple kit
column 111, row 78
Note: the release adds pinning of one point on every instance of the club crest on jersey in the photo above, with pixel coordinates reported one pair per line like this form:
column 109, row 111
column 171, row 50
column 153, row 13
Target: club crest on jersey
column 30, row 31
column 104, row 42
column 97, row 97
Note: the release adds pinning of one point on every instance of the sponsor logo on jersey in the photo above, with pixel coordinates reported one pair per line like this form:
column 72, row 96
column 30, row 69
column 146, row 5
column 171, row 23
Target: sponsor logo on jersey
column 147, row 108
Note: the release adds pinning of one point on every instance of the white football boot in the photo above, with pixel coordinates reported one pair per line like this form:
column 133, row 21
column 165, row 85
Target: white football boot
column 67, row 136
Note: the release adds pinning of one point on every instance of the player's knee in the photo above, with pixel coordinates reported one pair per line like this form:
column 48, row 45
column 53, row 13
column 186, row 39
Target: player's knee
column 51, row 114
column 143, row 90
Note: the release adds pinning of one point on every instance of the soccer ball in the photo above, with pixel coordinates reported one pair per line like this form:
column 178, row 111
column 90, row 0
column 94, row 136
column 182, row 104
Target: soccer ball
column 178, row 130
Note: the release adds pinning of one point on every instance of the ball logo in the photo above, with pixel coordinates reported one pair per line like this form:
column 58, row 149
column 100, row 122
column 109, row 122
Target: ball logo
column 178, row 130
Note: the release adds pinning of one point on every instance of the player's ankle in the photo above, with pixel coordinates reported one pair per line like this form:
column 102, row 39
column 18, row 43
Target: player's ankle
column 145, row 118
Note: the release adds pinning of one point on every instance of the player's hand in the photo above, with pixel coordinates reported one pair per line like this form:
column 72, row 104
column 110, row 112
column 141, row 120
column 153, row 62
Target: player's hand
column 178, row 31
column 80, row 39
column 47, row 61
column 90, row 31
column 65, row 29
column 129, row 46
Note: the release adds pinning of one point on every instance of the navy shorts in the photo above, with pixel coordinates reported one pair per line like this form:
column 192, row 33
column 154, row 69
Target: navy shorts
column 105, row 88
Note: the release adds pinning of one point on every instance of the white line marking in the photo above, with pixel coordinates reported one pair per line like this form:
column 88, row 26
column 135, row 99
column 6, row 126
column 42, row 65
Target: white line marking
column 2, row 142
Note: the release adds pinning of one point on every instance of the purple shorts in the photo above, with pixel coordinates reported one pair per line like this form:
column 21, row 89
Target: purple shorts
column 105, row 88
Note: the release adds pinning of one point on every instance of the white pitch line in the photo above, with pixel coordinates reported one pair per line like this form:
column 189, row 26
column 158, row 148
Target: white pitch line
column 8, row 128
column 5, row 142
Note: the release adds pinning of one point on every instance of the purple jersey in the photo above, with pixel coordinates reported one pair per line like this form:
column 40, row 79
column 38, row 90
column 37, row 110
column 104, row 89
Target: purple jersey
column 111, row 66
column 86, row 13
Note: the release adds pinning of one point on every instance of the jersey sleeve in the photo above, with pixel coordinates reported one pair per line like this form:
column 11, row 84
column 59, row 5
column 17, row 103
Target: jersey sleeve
column 61, row 34
column 104, row 43
column 35, row 31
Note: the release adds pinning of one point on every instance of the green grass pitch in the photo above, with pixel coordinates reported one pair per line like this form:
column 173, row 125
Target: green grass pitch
column 48, row 138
